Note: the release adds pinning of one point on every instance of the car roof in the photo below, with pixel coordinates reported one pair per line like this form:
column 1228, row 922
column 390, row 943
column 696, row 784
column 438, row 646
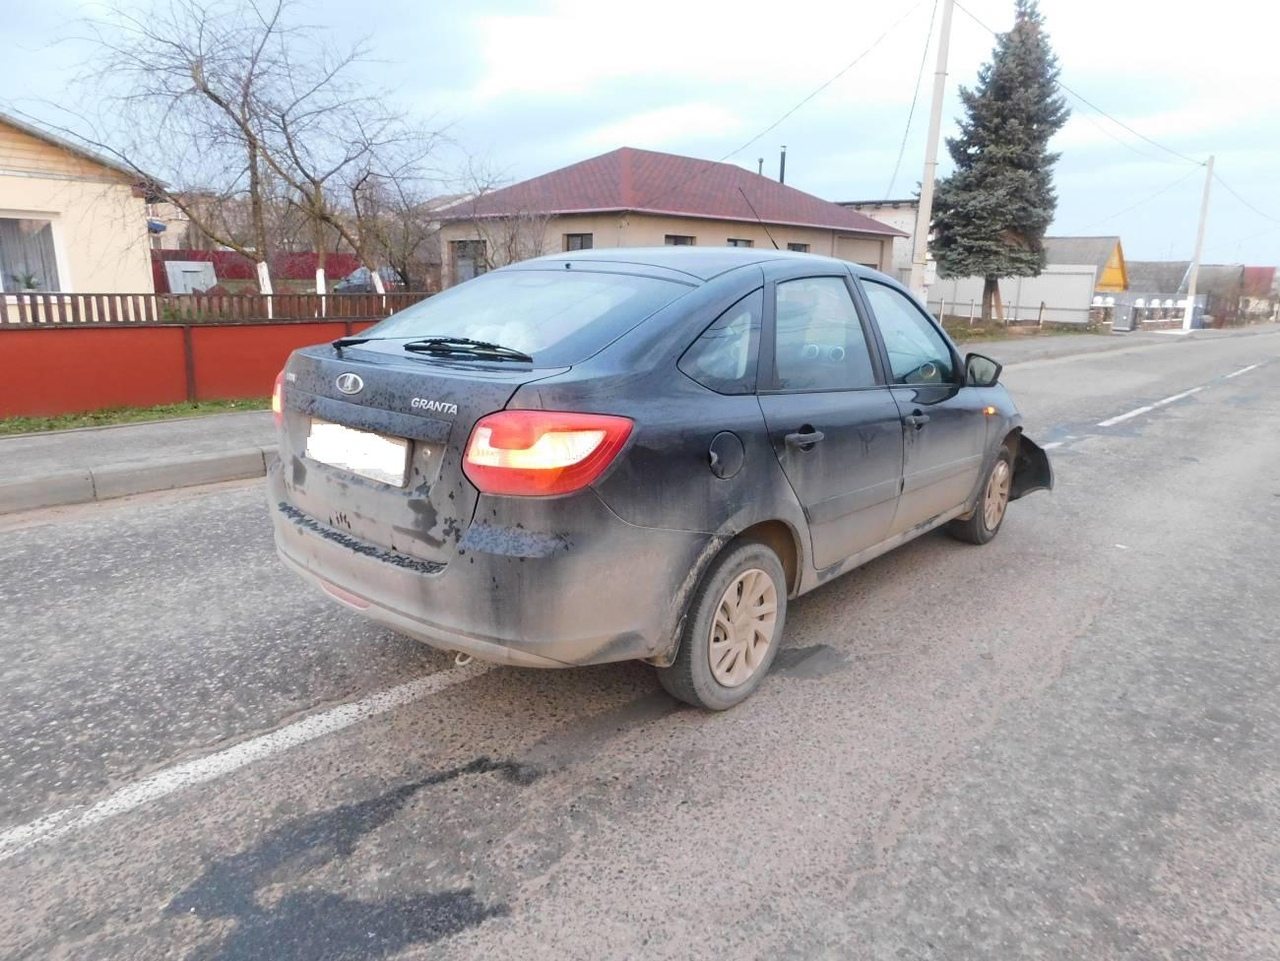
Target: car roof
column 702, row 263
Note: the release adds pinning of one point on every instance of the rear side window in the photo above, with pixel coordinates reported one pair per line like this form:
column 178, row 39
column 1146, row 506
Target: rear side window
column 558, row 317
column 820, row 343
column 723, row 359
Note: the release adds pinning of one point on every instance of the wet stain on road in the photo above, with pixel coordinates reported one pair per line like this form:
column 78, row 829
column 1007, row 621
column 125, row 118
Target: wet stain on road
column 319, row 925
column 810, row 663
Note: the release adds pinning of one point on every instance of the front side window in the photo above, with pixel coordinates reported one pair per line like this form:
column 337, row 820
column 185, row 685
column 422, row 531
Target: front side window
column 27, row 259
column 819, row 342
column 917, row 352
column 724, row 357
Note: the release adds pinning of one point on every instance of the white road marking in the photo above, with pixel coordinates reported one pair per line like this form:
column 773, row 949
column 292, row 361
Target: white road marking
column 1052, row 444
column 1133, row 413
column 1170, row 400
column 200, row 770
column 1110, row 422
column 1242, row 370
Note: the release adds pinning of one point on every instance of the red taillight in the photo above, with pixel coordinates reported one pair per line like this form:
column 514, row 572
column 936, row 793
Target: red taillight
column 277, row 399
column 540, row 453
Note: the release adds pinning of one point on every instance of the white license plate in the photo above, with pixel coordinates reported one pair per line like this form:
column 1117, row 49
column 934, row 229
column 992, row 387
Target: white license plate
column 379, row 458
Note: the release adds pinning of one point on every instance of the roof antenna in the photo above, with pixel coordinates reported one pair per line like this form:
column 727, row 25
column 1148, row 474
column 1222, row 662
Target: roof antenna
column 758, row 220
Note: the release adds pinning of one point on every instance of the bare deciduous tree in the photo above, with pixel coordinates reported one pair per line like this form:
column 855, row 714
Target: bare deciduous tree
column 400, row 216
column 233, row 105
column 511, row 232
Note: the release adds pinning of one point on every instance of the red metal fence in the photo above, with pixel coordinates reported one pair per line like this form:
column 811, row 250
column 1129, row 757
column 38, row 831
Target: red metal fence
column 35, row 308
column 68, row 353
column 69, row 368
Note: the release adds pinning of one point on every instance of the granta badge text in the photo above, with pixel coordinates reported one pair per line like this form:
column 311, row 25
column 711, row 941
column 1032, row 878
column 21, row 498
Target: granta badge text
column 437, row 406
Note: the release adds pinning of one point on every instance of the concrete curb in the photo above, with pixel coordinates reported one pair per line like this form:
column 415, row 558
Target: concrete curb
column 121, row 480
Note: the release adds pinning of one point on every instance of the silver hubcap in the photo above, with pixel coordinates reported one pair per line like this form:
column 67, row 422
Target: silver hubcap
column 997, row 495
column 743, row 627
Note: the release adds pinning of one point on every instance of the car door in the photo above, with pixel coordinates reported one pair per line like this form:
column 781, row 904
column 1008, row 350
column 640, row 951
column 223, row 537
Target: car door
column 832, row 421
column 943, row 423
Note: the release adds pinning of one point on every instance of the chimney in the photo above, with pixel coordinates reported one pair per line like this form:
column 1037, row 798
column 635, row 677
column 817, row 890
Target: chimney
column 760, row 167
column 782, row 166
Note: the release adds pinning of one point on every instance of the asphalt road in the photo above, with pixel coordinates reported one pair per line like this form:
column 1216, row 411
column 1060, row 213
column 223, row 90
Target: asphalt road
column 1065, row 744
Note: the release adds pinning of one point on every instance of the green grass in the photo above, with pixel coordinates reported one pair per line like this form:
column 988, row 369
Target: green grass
column 128, row 415
column 961, row 332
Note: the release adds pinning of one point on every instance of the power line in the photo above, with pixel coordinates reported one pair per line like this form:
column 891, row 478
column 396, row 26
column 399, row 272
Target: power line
column 1146, row 200
column 1121, row 123
column 1229, row 190
column 1094, row 106
column 649, row 201
column 1127, row 144
column 915, row 98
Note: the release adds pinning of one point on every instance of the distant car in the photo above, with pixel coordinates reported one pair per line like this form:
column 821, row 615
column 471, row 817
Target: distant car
column 360, row 281
column 636, row 454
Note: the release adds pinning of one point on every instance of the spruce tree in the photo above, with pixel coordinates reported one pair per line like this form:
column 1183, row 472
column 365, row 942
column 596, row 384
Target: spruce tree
column 990, row 215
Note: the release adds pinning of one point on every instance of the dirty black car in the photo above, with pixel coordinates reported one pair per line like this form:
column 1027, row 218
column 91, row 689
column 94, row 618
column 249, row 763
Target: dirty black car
column 636, row 454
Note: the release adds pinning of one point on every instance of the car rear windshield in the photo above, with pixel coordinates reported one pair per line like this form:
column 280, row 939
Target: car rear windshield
column 559, row 317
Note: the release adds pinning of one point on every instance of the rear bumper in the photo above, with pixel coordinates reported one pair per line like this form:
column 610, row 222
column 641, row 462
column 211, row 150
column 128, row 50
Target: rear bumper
column 591, row 589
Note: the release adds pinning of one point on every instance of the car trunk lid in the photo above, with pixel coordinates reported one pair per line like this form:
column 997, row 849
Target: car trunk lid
column 372, row 442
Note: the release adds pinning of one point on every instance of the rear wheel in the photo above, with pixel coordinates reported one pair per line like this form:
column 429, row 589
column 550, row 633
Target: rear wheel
column 984, row 523
column 733, row 630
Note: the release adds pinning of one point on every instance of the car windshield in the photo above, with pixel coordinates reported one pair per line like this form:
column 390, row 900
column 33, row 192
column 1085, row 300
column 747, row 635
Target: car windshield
column 558, row 317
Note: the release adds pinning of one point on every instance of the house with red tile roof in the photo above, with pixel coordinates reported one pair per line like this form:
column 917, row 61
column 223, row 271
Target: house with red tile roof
column 642, row 198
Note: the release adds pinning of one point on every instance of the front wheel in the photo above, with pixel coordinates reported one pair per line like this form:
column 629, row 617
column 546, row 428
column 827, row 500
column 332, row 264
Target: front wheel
column 733, row 630
column 984, row 523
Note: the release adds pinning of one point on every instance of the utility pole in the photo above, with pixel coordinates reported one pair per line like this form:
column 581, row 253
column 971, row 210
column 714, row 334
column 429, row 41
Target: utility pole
column 1194, row 273
column 924, row 216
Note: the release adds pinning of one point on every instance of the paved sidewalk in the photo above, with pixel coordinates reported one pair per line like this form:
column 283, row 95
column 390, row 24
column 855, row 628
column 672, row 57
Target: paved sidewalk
column 98, row 463
column 77, row 466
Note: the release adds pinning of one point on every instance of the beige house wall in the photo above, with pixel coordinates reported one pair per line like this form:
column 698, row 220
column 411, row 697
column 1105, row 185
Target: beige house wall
column 647, row 230
column 99, row 226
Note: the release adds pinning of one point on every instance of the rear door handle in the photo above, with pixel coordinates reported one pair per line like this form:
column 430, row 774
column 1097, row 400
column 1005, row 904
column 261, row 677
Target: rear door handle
column 916, row 420
column 804, row 439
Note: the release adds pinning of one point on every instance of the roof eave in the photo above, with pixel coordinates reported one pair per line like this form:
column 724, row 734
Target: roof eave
column 71, row 147
column 881, row 230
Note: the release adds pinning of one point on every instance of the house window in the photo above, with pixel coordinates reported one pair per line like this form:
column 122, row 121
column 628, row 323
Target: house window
column 27, row 259
column 679, row 240
column 578, row 241
column 799, row 248
column 739, row 242
column 468, row 259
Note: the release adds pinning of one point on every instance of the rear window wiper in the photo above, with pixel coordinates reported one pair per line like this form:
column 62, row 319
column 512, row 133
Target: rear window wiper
column 466, row 346
column 351, row 341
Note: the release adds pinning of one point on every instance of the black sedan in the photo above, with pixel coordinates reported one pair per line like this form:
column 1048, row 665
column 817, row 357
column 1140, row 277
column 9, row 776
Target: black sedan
column 636, row 454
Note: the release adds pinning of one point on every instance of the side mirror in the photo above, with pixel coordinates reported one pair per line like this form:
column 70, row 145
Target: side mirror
column 980, row 371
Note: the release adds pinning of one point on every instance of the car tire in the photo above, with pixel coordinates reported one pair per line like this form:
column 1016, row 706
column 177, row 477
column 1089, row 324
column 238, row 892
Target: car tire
column 993, row 503
column 722, row 657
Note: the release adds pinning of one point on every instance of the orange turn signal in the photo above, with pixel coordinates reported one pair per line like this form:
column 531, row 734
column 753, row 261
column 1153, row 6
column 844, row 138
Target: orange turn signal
column 989, row 411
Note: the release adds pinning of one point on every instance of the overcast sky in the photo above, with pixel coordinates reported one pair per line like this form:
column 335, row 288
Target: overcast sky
column 532, row 85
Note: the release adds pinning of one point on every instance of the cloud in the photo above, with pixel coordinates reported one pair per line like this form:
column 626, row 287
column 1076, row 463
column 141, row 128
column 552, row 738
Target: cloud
column 571, row 45
column 655, row 129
